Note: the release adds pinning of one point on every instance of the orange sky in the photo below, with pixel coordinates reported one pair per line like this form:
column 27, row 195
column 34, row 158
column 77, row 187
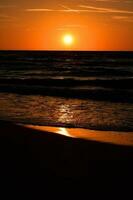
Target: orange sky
column 40, row 25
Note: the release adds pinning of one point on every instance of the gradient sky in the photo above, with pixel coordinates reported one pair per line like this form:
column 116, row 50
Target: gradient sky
column 40, row 24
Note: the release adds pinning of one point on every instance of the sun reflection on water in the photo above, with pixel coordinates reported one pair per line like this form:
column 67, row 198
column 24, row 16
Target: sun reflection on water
column 65, row 113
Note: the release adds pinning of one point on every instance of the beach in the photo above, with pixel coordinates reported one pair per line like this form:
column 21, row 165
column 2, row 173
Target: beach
column 44, row 160
column 66, row 124
column 66, row 99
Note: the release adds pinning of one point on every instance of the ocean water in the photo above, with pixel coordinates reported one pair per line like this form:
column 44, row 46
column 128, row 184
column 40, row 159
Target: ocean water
column 63, row 88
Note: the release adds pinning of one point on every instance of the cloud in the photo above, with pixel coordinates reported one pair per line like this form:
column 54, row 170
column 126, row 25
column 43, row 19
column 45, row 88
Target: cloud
column 123, row 18
column 120, row 17
column 70, row 11
column 38, row 10
column 81, row 9
column 115, row 1
column 105, row 10
column 6, row 18
column 3, row 16
column 65, row 9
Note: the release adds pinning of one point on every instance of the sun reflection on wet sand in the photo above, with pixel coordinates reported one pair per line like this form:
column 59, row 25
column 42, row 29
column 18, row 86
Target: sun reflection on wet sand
column 58, row 130
column 119, row 138
column 64, row 131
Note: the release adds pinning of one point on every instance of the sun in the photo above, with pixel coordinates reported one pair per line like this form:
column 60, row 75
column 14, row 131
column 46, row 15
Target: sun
column 68, row 39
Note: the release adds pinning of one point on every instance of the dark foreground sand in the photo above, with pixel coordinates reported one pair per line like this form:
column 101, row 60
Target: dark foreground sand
column 43, row 163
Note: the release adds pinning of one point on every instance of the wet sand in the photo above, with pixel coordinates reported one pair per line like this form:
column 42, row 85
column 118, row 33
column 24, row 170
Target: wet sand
column 112, row 137
column 38, row 161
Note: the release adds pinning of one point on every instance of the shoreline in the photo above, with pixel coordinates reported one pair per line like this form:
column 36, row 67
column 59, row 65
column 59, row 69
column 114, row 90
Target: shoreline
column 120, row 138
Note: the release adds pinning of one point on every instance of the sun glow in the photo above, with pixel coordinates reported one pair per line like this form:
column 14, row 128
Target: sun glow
column 68, row 39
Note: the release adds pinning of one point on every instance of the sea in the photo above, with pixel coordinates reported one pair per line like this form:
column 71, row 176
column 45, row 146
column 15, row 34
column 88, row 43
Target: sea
column 84, row 89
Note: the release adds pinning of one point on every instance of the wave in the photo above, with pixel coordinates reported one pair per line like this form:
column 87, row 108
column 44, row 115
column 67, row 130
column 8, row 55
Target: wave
column 120, row 83
column 99, row 94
